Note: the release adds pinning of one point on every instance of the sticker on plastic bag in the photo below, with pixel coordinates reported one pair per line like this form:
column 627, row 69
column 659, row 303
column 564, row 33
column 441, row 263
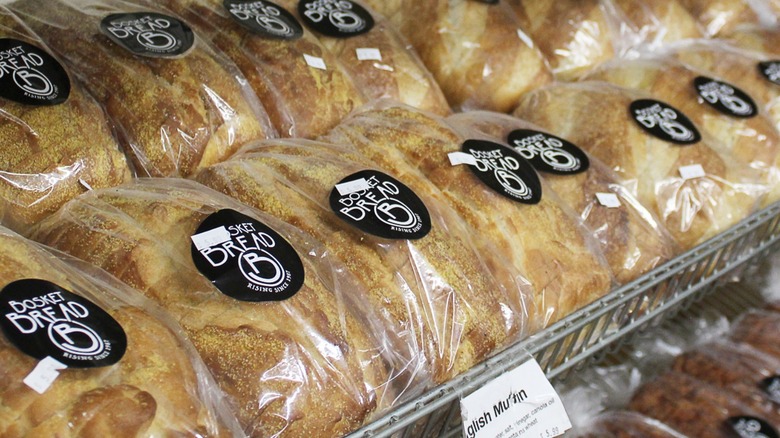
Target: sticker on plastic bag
column 664, row 122
column 771, row 386
column 148, row 34
column 30, row 76
column 335, row 18
column 264, row 18
column 548, row 153
column 504, row 170
column 751, row 427
column 770, row 70
column 725, row 97
column 380, row 205
column 42, row 320
column 245, row 259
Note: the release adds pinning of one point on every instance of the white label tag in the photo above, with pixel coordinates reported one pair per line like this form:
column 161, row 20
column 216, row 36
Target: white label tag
column 368, row 54
column 207, row 239
column 352, row 186
column 44, row 374
column 609, row 200
column 457, row 158
column 315, row 62
column 692, row 172
column 519, row 403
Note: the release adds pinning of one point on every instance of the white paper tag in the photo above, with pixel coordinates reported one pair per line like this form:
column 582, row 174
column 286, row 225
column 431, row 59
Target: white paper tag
column 44, row 374
column 692, row 172
column 609, row 200
column 352, row 186
column 368, row 54
column 519, row 403
column 315, row 62
column 457, row 158
column 207, row 239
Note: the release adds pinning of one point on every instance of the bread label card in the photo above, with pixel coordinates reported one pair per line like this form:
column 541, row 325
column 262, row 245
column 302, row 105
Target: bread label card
column 770, row 70
column 30, row 76
column 503, row 170
column 771, row 386
column 380, row 205
column 664, row 122
column 245, row 259
column 751, row 427
column 264, row 18
column 335, row 18
column 725, row 98
column 548, row 153
column 148, row 34
column 42, row 320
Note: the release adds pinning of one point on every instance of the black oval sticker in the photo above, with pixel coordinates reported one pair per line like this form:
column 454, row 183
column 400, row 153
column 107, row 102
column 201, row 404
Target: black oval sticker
column 504, row 171
column 42, row 319
column 149, row 34
column 664, row 122
column 548, row 153
column 770, row 70
column 264, row 18
column 725, row 97
column 771, row 386
column 335, row 18
column 380, row 205
column 751, row 427
column 245, row 259
column 30, row 76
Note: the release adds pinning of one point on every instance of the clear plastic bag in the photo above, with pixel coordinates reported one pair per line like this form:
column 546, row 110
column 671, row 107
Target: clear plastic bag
column 540, row 242
column 626, row 424
column 628, row 234
column 177, row 105
column 439, row 297
column 722, row 16
column 308, row 364
column 156, row 387
column 596, row 116
column 759, row 329
column 55, row 147
column 477, row 51
column 656, row 22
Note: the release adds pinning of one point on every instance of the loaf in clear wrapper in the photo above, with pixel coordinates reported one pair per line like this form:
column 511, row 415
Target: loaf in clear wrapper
column 657, row 22
column 626, row 424
column 694, row 205
column 439, row 297
column 56, row 140
column 143, row 380
column 628, row 234
column 722, row 16
column 176, row 103
column 759, row 329
column 476, row 51
column 274, row 318
column 755, row 38
column 542, row 242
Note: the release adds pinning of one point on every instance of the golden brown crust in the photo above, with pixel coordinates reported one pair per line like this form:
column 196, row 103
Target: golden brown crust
column 665, row 21
column 721, row 16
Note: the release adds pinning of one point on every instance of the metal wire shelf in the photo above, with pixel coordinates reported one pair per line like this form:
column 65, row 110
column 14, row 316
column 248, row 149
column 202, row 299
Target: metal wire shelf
column 590, row 333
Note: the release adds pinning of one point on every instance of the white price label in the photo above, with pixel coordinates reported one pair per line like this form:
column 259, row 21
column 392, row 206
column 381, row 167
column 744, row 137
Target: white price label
column 692, row 172
column 368, row 54
column 519, row 403
column 457, row 158
column 609, row 200
column 210, row 238
column 315, row 62
column 44, row 374
column 352, row 186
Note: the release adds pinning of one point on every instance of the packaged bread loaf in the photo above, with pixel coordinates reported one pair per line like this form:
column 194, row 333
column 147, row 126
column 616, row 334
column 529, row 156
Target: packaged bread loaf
column 475, row 50
column 730, row 119
column 630, row 237
column 176, row 103
column 759, row 329
column 499, row 196
column 56, row 141
column 755, row 39
column 654, row 149
column 412, row 254
column 626, row 424
column 272, row 315
column 83, row 355
column 722, row 16
column 657, row 22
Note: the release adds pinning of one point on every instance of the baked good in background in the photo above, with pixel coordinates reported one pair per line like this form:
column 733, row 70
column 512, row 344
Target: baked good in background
column 721, row 16
column 306, row 365
column 54, row 146
column 175, row 113
column 541, row 242
column 759, row 329
column 302, row 100
column 626, row 424
column 730, row 119
column 755, row 38
column 596, row 116
column 476, row 51
column 440, row 298
column 156, row 387
column 628, row 234
column 658, row 22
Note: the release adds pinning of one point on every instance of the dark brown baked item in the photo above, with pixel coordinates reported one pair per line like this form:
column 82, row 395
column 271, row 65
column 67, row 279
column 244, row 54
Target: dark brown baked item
column 152, row 391
column 626, row 424
column 302, row 366
column 51, row 153
column 760, row 329
column 174, row 115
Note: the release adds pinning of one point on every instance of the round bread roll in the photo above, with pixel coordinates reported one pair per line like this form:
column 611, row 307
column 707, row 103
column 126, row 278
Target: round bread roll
column 721, row 16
